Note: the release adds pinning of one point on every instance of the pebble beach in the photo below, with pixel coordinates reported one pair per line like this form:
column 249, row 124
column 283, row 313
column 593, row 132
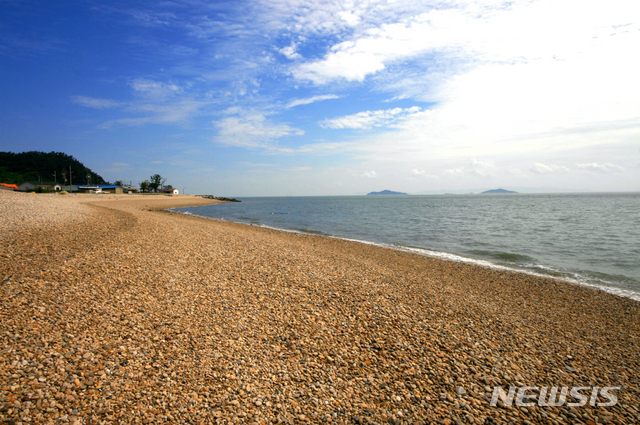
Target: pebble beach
column 113, row 310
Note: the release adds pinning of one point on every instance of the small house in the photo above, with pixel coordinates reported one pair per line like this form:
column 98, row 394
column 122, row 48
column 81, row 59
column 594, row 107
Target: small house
column 28, row 186
column 50, row 187
column 109, row 188
column 170, row 191
column 87, row 188
column 31, row 185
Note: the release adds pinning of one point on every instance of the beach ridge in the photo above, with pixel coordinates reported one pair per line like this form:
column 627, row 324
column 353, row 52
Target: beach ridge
column 115, row 312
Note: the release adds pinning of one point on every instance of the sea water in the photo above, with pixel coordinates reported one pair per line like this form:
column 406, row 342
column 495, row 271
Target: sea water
column 591, row 239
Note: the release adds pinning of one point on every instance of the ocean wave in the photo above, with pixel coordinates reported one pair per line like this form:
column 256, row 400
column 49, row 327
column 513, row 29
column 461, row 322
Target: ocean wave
column 503, row 256
column 577, row 279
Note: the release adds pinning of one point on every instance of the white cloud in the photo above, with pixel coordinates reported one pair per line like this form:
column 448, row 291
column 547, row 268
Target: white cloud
column 91, row 102
column 180, row 110
column 354, row 60
column 475, row 168
column 330, row 17
column 474, row 32
column 454, row 172
column 176, row 111
column 424, row 174
column 331, row 147
column 600, row 168
column 290, row 51
column 482, row 169
column 156, row 102
column 155, row 89
column 369, row 119
column 150, row 18
column 370, row 174
column 350, row 18
column 252, row 129
column 262, row 164
column 510, row 78
column 540, row 168
column 527, row 80
column 308, row 100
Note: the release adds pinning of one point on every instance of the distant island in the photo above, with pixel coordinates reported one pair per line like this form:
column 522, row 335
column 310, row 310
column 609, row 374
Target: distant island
column 386, row 192
column 499, row 191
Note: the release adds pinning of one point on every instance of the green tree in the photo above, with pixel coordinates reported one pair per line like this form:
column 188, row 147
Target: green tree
column 40, row 166
column 118, row 183
column 144, row 186
column 154, row 182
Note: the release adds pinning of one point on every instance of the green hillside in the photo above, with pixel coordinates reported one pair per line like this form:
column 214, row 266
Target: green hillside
column 40, row 166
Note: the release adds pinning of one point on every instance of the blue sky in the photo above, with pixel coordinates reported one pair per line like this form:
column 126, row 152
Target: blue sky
column 285, row 97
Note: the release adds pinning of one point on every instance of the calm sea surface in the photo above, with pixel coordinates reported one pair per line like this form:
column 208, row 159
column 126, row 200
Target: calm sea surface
column 593, row 239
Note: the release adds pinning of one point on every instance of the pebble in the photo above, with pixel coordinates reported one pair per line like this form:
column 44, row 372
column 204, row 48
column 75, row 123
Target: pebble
column 114, row 311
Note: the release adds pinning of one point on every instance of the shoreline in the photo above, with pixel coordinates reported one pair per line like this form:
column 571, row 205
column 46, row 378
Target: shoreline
column 442, row 255
column 125, row 314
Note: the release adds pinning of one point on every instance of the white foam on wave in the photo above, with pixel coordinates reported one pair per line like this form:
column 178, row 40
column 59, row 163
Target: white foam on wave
column 182, row 212
column 577, row 280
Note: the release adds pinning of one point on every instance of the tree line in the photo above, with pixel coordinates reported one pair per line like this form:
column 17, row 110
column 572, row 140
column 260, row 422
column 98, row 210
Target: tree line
column 17, row 168
column 58, row 167
column 154, row 183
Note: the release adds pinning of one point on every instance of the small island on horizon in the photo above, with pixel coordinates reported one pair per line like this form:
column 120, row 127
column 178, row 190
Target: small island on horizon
column 386, row 192
column 499, row 191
